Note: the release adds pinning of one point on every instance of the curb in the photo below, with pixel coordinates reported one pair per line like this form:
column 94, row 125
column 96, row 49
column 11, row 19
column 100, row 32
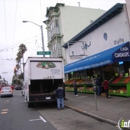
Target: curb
column 111, row 122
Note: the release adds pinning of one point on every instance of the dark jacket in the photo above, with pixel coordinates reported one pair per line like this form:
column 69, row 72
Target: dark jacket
column 75, row 85
column 60, row 92
column 98, row 81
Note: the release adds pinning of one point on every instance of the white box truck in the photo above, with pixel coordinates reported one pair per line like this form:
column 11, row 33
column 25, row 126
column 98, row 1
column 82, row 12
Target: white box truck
column 42, row 75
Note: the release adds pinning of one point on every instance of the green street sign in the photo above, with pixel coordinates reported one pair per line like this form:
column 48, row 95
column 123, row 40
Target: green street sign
column 44, row 53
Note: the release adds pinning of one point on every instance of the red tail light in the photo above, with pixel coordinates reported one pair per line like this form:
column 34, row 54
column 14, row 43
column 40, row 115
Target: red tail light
column 10, row 91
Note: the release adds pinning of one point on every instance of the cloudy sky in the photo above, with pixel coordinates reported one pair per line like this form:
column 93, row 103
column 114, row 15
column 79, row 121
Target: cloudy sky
column 14, row 32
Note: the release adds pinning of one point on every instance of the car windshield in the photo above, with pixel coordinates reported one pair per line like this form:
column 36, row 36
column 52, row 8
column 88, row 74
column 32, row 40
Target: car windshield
column 6, row 88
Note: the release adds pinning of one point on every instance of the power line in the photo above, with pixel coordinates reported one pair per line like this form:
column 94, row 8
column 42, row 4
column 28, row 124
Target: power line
column 5, row 24
column 17, row 44
column 15, row 21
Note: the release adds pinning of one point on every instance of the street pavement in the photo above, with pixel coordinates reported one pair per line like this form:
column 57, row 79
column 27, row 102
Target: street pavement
column 109, row 110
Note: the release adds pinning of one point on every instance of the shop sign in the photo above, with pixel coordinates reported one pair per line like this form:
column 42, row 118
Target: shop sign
column 122, row 52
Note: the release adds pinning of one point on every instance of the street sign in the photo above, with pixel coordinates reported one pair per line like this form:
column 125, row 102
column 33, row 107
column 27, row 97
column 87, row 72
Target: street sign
column 44, row 53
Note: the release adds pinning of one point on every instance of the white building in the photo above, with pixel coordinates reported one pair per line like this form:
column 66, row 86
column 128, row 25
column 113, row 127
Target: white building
column 99, row 41
column 64, row 22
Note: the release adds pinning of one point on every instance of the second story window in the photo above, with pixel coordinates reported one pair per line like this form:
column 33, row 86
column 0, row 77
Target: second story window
column 54, row 27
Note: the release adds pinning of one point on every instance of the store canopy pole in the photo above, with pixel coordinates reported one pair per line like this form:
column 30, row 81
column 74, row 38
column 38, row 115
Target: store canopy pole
column 95, row 100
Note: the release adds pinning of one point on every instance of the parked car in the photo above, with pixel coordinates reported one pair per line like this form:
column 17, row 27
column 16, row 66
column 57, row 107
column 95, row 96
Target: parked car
column 18, row 87
column 6, row 91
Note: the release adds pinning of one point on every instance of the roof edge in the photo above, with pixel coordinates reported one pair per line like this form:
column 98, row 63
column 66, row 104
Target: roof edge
column 112, row 12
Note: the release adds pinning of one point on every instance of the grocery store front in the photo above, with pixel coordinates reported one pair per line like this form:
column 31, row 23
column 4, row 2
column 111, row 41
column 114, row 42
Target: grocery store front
column 117, row 54
column 113, row 64
column 105, row 50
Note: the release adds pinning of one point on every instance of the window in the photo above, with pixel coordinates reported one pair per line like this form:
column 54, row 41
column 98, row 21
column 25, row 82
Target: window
column 54, row 27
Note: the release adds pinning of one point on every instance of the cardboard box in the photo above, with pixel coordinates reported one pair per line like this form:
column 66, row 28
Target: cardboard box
column 103, row 94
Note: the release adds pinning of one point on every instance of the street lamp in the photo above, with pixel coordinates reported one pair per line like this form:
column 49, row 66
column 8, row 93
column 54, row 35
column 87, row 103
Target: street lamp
column 41, row 32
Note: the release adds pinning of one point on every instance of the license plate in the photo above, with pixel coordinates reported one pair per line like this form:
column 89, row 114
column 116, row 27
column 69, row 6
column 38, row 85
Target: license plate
column 48, row 98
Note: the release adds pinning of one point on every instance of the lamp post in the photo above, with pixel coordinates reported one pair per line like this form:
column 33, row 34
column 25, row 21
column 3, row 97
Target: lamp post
column 41, row 33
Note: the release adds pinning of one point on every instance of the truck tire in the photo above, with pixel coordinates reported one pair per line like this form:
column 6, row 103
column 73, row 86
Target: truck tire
column 29, row 105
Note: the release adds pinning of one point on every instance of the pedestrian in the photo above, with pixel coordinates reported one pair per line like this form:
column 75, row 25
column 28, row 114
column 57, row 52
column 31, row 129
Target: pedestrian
column 60, row 97
column 75, row 88
column 106, row 88
column 98, row 85
column 63, row 85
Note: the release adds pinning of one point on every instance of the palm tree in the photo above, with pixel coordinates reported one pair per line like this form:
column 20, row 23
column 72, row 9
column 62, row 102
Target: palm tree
column 22, row 50
column 18, row 60
column 20, row 55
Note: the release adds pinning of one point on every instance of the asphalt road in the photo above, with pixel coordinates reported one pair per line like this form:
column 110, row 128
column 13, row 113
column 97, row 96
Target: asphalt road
column 15, row 115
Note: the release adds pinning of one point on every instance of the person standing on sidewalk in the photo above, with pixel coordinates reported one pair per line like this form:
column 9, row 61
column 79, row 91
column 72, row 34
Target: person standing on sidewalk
column 106, row 88
column 60, row 97
column 75, row 88
column 98, row 85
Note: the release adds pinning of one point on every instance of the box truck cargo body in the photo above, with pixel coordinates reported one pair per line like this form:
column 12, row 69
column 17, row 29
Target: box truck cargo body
column 42, row 75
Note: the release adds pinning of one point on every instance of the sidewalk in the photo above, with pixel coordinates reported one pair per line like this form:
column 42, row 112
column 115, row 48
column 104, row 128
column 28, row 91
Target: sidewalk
column 108, row 110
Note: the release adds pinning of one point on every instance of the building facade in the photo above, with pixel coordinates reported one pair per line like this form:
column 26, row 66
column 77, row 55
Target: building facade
column 104, row 42
column 64, row 22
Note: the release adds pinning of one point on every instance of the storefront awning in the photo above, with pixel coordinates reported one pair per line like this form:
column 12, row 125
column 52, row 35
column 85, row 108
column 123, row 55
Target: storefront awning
column 99, row 59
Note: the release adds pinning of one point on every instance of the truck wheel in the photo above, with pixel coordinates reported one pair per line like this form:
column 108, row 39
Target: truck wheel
column 29, row 105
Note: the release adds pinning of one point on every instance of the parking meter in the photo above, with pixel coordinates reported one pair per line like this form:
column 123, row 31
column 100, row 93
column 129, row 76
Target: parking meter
column 94, row 88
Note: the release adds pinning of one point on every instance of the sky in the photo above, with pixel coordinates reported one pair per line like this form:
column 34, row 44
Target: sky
column 14, row 32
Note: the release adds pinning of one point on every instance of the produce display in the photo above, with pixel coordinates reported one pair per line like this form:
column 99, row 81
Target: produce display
column 117, row 80
column 126, row 80
column 69, row 81
column 121, row 90
column 84, row 85
column 79, row 81
column 121, row 80
column 81, row 89
column 120, row 86
column 89, row 89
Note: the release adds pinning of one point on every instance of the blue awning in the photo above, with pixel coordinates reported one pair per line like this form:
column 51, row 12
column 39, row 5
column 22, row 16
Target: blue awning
column 96, row 60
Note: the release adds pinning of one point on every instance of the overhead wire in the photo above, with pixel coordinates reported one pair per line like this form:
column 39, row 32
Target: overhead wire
column 15, row 22
column 40, row 10
column 5, row 23
column 5, row 29
column 14, row 46
column 17, row 44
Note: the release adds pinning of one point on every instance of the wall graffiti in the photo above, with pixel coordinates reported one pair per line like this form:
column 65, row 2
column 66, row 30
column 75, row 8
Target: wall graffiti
column 85, row 45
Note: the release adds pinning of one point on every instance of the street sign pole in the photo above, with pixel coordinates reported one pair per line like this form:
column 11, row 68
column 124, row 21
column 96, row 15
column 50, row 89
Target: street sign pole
column 95, row 95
